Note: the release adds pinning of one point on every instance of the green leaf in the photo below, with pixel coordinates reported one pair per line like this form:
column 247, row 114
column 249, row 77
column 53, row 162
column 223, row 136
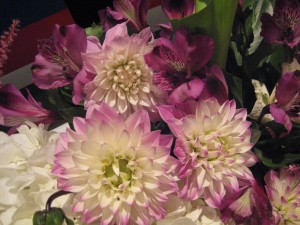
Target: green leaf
column 259, row 7
column 216, row 20
column 53, row 217
column 66, row 109
column 235, row 87
column 279, row 161
column 94, row 30
column 252, row 62
column 39, row 218
column 201, row 4
column 255, row 135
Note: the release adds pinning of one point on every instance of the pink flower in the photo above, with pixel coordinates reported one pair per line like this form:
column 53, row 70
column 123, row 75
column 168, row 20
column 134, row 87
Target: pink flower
column 123, row 80
column 178, row 9
column 59, row 62
column 16, row 109
column 283, row 190
column 284, row 26
column 133, row 11
column 213, row 147
column 120, row 170
column 287, row 105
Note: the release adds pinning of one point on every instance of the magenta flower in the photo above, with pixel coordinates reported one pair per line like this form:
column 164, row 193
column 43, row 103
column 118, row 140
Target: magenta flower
column 287, row 105
column 182, row 58
column 283, row 190
column 119, row 170
column 250, row 205
column 59, row 62
column 213, row 147
column 178, row 9
column 133, row 11
column 214, row 85
column 15, row 109
column 284, row 26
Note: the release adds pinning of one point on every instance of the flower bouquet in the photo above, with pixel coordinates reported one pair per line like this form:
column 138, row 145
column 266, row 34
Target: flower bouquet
column 193, row 121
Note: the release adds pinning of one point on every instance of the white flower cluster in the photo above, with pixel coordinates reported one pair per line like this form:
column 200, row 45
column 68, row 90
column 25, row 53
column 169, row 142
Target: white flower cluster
column 26, row 181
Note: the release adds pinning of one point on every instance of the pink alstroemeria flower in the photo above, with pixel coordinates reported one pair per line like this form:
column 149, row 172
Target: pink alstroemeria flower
column 59, row 62
column 287, row 105
column 133, row 11
column 16, row 109
column 213, row 147
column 284, row 26
column 178, row 9
column 250, row 205
column 180, row 59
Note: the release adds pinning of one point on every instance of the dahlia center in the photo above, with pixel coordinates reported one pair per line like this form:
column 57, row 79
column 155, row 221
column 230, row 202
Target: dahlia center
column 125, row 75
column 118, row 173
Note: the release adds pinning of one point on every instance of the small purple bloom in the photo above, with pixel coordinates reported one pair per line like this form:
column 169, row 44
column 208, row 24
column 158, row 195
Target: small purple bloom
column 182, row 58
column 178, row 9
column 287, row 94
column 15, row 109
column 250, row 205
column 134, row 11
column 284, row 26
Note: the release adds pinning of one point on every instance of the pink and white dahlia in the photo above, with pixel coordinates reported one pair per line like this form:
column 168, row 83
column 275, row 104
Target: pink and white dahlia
column 120, row 171
column 213, row 147
column 123, row 80
column 283, row 190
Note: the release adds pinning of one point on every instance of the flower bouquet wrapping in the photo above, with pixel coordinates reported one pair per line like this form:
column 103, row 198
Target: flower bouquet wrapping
column 194, row 121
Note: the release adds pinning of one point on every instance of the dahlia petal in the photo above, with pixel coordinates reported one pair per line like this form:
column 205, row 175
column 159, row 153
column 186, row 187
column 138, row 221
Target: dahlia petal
column 138, row 118
column 118, row 31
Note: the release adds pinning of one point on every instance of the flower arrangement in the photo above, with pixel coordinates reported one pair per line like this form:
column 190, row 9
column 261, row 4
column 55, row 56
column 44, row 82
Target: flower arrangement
column 194, row 121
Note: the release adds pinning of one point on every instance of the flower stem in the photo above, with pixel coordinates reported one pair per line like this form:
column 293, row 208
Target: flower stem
column 53, row 197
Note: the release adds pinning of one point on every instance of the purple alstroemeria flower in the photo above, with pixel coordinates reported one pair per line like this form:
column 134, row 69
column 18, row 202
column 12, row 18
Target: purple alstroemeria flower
column 59, row 62
column 180, row 59
column 15, row 109
column 250, row 205
column 133, row 11
column 178, row 9
column 284, row 26
column 287, row 106
column 214, row 85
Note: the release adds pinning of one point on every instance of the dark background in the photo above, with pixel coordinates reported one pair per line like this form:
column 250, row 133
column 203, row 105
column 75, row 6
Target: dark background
column 84, row 12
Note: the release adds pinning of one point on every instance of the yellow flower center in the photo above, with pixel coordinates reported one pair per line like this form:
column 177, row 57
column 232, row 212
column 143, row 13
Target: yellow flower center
column 125, row 74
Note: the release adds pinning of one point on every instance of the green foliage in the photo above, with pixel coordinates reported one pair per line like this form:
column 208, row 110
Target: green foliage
column 62, row 99
column 216, row 20
column 201, row 4
column 276, row 160
column 94, row 30
column 235, row 88
column 53, row 217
